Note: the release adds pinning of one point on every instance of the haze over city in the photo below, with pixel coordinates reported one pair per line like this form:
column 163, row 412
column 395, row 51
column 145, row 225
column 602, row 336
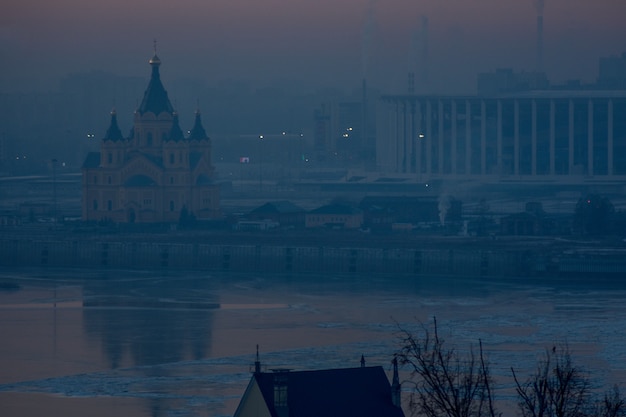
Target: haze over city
column 304, row 43
column 184, row 181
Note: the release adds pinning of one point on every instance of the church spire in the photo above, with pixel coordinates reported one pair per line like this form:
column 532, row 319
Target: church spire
column 155, row 61
column 113, row 132
column 176, row 133
column 198, row 132
column 155, row 98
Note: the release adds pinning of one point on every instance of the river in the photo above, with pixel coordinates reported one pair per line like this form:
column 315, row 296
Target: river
column 118, row 342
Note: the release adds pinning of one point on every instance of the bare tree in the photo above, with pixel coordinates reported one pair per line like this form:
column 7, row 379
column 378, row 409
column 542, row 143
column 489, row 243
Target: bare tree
column 445, row 382
column 612, row 405
column 557, row 389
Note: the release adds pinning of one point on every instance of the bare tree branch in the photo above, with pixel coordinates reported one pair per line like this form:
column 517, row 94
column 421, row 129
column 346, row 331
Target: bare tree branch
column 444, row 382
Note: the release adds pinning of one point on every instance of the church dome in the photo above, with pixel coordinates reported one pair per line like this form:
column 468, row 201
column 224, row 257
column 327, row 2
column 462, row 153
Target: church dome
column 155, row 60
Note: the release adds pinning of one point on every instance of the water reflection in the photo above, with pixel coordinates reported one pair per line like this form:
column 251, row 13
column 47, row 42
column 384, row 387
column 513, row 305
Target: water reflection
column 154, row 345
column 148, row 322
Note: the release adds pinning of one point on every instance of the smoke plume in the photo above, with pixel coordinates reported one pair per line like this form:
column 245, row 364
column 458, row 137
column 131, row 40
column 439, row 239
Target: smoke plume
column 444, row 206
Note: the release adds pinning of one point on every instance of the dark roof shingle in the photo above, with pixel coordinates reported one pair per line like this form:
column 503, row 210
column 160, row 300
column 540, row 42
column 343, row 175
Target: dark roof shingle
column 155, row 98
column 351, row 392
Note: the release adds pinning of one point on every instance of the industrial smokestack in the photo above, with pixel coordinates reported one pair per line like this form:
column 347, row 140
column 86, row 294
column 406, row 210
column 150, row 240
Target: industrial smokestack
column 369, row 27
column 539, row 7
column 540, row 43
column 424, row 64
column 418, row 58
column 365, row 137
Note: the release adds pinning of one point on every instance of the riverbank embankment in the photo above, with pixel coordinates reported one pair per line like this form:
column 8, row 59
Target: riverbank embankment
column 306, row 252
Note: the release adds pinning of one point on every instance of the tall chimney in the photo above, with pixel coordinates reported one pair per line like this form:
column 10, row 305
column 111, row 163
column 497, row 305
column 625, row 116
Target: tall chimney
column 540, row 43
column 367, row 147
column 395, row 386
column 424, row 52
column 257, row 362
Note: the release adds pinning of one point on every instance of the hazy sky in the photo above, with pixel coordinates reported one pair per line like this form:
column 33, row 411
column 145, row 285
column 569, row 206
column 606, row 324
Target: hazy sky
column 320, row 42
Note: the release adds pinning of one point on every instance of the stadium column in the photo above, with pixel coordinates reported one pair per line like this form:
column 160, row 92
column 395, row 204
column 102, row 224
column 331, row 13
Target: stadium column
column 429, row 137
column 405, row 149
column 609, row 139
column 590, row 137
column 468, row 138
column 570, row 145
column 398, row 155
column 483, row 137
column 413, row 135
column 516, row 138
column 453, row 120
column 552, row 136
column 440, row 139
column 499, row 138
column 418, row 138
column 533, row 140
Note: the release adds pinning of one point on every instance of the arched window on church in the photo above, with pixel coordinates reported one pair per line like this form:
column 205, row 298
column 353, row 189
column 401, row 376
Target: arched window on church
column 171, row 205
column 109, row 205
column 110, row 158
column 149, row 139
column 172, row 158
column 109, row 180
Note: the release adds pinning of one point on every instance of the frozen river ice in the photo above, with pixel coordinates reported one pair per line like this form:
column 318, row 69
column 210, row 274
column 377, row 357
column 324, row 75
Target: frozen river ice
column 77, row 342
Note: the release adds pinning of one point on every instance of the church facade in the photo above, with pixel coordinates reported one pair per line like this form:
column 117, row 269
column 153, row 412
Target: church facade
column 155, row 175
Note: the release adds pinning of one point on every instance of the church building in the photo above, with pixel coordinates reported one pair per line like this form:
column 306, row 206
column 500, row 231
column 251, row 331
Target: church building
column 155, row 175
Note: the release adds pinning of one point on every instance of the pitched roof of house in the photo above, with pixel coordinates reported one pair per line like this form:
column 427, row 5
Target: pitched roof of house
column 275, row 207
column 369, row 202
column 335, row 209
column 350, row 392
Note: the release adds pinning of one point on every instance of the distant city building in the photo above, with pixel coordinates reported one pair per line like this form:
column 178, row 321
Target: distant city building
column 339, row 132
column 344, row 133
column 612, row 72
column 283, row 213
column 381, row 212
column 157, row 172
column 528, row 134
column 337, row 216
column 507, row 81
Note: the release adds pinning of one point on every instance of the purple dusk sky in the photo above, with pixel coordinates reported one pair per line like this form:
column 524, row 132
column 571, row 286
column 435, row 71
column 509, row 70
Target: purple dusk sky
column 317, row 42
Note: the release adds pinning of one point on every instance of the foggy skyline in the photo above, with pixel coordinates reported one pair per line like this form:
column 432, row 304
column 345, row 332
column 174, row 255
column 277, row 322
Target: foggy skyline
column 310, row 44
